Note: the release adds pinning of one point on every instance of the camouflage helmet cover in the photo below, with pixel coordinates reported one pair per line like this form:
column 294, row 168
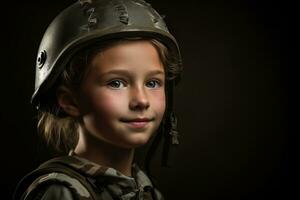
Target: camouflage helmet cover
column 89, row 21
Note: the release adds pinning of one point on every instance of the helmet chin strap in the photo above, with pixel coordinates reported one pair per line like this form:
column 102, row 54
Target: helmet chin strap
column 167, row 133
column 170, row 133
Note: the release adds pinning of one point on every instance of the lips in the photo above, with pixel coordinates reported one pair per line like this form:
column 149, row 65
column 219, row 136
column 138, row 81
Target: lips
column 136, row 120
column 137, row 123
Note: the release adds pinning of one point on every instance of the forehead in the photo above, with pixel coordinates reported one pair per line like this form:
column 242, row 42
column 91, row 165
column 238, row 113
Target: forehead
column 140, row 55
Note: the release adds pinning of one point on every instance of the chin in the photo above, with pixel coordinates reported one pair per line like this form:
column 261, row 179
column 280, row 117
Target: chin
column 138, row 141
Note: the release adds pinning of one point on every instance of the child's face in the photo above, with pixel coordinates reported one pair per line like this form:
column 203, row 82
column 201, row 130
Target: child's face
column 123, row 98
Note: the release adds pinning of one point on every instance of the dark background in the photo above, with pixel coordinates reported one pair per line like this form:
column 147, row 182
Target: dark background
column 234, row 105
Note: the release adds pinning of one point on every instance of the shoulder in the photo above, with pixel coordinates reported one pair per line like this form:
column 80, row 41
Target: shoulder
column 50, row 192
column 56, row 185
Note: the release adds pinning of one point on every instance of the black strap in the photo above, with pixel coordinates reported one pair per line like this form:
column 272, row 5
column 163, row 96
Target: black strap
column 53, row 165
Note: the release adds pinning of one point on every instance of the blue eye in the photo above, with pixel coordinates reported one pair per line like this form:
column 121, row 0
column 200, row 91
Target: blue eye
column 116, row 84
column 153, row 84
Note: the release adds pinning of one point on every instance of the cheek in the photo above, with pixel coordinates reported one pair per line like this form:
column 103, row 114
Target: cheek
column 108, row 104
column 159, row 102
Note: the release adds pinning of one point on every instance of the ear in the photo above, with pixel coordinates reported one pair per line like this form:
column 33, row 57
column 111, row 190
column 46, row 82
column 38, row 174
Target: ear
column 67, row 101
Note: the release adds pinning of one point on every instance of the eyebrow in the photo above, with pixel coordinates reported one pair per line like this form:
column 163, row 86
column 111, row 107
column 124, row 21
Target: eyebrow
column 128, row 73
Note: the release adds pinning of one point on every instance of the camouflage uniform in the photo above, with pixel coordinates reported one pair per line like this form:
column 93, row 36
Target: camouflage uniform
column 107, row 183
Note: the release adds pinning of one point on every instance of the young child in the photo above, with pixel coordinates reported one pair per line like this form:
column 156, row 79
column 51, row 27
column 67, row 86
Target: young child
column 104, row 86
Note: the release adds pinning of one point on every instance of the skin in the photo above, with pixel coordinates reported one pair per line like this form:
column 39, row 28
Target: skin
column 125, row 82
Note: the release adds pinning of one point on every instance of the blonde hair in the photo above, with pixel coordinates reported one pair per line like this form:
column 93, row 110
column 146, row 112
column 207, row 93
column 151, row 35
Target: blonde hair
column 60, row 130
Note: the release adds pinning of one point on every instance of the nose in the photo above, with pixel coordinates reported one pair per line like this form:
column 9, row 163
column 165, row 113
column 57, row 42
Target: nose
column 138, row 100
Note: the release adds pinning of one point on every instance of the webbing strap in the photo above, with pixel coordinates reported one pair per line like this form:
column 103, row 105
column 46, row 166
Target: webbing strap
column 53, row 171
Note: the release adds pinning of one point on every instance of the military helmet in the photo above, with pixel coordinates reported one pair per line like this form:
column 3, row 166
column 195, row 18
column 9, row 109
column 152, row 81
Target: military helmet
column 89, row 21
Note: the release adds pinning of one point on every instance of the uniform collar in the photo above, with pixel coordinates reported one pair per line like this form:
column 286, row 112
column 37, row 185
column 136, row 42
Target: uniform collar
column 118, row 183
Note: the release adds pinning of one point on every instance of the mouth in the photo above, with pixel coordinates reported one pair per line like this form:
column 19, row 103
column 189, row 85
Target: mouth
column 137, row 123
column 142, row 119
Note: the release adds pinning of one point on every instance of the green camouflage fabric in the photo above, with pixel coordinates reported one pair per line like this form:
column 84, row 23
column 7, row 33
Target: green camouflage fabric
column 107, row 183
